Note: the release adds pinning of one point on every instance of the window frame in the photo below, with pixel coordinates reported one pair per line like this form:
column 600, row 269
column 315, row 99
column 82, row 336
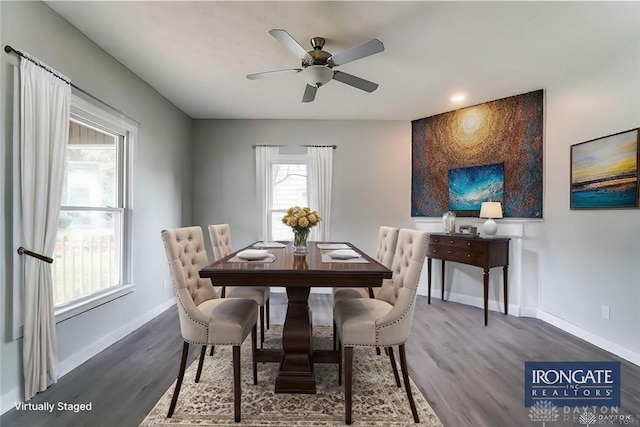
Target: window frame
column 126, row 130
column 292, row 159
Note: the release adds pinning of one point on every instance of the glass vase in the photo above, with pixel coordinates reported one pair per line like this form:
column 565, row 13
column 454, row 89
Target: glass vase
column 300, row 237
column 449, row 222
column 300, row 262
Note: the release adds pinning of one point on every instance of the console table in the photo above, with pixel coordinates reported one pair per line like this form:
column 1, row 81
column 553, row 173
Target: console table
column 477, row 251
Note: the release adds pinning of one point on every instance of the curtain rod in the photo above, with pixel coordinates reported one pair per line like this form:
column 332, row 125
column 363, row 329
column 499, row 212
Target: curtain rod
column 9, row 49
column 332, row 146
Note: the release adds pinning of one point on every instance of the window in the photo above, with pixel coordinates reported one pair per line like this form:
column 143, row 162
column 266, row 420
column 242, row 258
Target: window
column 91, row 254
column 289, row 188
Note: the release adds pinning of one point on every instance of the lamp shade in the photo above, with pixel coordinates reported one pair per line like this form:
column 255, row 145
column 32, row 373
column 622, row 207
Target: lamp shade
column 317, row 75
column 491, row 210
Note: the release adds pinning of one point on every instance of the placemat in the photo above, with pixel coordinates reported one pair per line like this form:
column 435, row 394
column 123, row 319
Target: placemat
column 269, row 245
column 268, row 259
column 360, row 260
column 333, row 246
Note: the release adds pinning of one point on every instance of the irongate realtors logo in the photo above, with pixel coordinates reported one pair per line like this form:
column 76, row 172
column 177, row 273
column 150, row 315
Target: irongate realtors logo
column 572, row 383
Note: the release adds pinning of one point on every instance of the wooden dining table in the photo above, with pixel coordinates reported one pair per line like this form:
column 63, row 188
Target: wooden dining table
column 298, row 274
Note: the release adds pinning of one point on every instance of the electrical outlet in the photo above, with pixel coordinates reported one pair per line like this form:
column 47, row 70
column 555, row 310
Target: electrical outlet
column 165, row 285
column 604, row 311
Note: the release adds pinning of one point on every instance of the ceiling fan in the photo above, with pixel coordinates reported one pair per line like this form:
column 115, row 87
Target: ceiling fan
column 317, row 65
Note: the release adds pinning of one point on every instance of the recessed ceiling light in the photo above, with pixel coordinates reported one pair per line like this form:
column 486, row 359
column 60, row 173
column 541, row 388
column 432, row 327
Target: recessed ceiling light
column 457, row 98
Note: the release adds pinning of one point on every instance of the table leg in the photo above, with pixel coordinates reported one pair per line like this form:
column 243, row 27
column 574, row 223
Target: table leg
column 296, row 374
column 428, row 280
column 442, row 283
column 486, row 295
column 505, row 271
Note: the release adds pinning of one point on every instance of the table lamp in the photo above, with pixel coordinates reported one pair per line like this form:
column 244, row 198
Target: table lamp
column 490, row 210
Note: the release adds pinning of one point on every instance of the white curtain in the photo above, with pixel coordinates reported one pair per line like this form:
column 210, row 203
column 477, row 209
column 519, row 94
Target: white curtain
column 320, row 187
column 45, row 102
column 264, row 184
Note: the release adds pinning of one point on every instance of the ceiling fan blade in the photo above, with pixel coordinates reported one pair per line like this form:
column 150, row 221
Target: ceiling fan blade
column 290, row 43
column 309, row 93
column 371, row 47
column 273, row 73
column 354, row 81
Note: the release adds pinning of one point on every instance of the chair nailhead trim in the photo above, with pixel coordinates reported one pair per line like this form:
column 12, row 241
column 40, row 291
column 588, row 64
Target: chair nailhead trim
column 206, row 325
column 404, row 314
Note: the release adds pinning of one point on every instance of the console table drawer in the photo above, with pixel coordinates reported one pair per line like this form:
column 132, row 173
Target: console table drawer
column 454, row 242
column 455, row 254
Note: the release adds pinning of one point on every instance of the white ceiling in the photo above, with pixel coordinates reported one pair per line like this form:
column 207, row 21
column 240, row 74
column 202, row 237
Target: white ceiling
column 197, row 54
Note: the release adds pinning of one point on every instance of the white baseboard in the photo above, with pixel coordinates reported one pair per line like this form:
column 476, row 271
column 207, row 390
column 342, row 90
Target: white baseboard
column 528, row 312
column 514, row 309
column 9, row 399
column 96, row 347
column 623, row 352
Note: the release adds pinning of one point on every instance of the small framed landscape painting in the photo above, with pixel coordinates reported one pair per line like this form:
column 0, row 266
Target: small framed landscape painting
column 604, row 172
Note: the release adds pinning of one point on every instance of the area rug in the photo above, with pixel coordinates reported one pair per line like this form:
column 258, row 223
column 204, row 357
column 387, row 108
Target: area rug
column 376, row 399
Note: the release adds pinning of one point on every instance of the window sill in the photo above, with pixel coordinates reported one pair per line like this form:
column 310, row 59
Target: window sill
column 91, row 302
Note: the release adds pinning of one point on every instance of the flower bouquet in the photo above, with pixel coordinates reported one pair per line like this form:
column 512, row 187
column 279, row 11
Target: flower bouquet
column 301, row 220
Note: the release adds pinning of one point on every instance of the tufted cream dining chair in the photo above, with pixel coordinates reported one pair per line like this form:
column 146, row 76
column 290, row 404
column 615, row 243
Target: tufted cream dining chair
column 387, row 240
column 206, row 319
column 220, row 235
column 385, row 320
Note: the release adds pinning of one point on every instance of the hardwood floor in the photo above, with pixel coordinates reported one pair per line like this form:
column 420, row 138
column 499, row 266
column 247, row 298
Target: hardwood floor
column 472, row 375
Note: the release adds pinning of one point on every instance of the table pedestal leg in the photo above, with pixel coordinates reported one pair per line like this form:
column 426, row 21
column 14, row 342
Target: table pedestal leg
column 296, row 374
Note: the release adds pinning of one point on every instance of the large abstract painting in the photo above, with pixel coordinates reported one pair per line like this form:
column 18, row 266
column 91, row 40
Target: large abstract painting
column 604, row 172
column 474, row 143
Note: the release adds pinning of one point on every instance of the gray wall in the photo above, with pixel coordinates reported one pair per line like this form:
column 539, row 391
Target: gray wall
column 588, row 259
column 372, row 169
column 161, row 190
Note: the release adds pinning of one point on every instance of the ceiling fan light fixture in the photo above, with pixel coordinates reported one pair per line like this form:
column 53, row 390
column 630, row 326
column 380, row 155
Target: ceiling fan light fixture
column 317, row 75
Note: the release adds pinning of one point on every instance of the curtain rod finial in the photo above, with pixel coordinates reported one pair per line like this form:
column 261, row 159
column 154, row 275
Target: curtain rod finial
column 8, row 48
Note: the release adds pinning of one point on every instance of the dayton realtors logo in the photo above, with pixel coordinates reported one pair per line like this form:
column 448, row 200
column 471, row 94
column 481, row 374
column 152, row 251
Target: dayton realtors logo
column 572, row 383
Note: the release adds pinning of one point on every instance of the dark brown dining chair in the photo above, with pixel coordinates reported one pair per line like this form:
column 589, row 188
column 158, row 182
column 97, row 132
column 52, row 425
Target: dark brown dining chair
column 206, row 319
column 383, row 321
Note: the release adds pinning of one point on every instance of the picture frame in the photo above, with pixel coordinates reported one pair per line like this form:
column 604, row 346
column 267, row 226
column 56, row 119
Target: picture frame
column 604, row 172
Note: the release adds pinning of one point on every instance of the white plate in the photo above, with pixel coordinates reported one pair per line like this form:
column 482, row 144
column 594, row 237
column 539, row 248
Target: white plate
column 343, row 254
column 253, row 254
